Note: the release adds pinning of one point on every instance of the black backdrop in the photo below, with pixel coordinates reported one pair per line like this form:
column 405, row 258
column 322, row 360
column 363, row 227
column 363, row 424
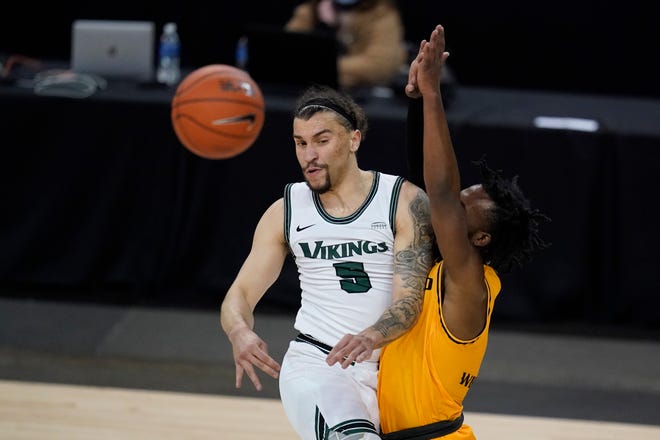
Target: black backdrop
column 583, row 46
column 100, row 201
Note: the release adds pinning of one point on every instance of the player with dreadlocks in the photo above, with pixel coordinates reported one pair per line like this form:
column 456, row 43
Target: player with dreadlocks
column 480, row 231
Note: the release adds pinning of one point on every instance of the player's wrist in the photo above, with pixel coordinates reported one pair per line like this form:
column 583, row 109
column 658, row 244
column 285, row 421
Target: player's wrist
column 236, row 330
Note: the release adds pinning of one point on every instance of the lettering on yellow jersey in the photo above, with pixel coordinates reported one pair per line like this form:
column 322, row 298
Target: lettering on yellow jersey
column 342, row 250
column 467, row 379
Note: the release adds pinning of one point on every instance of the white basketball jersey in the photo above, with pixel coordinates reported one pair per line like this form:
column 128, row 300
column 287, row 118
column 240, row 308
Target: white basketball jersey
column 346, row 264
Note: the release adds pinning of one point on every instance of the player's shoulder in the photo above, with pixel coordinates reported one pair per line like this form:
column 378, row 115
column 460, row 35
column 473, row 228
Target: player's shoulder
column 413, row 203
column 405, row 191
column 296, row 187
column 272, row 220
column 413, row 193
column 275, row 209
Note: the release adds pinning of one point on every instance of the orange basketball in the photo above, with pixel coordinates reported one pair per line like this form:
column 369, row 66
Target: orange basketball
column 218, row 111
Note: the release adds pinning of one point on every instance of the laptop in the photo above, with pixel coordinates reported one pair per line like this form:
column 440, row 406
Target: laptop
column 282, row 61
column 114, row 49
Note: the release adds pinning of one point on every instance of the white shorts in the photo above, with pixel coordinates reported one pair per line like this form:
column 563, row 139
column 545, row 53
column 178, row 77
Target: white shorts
column 328, row 403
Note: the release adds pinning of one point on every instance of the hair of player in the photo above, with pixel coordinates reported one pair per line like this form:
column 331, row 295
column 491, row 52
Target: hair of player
column 514, row 224
column 318, row 98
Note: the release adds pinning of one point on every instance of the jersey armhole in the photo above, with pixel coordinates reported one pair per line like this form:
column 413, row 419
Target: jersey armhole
column 448, row 332
column 287, row 214
column 394, row 202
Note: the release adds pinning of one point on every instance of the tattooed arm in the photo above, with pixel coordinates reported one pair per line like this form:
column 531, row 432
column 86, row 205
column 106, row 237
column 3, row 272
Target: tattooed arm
column 413, row 257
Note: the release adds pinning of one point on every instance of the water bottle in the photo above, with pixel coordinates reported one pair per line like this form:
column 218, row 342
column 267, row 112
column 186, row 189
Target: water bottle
column 169, row 52
column 241, row 56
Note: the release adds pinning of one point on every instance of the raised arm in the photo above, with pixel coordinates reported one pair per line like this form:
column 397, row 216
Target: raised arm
column 259, row 271
column 464, row 303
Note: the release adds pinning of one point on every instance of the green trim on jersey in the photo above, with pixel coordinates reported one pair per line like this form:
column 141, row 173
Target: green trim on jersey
column 348, row 219
column 287, row 214
column 394, row 201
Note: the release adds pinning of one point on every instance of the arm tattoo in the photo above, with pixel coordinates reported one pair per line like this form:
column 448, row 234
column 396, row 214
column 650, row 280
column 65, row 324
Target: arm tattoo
column 412, row 265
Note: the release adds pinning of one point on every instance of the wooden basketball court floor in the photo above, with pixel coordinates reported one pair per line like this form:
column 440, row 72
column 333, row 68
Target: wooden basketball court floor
column 81, row 371
column 38, row 411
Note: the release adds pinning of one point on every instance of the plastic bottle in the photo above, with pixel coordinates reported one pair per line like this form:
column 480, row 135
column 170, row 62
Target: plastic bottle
column 169, row 52
column 242, row 53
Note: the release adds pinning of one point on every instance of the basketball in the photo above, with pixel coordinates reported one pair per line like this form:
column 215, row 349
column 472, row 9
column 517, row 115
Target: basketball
column 218, row 111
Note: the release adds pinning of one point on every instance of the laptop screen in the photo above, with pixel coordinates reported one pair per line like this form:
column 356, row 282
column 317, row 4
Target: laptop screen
column 113, row 49
column 290, row 61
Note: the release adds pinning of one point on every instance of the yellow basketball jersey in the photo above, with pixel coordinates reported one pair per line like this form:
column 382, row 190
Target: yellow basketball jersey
column 426, row 373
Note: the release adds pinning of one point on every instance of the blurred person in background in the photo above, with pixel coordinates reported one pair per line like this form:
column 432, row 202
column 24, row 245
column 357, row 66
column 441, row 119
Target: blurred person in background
column 370, row 34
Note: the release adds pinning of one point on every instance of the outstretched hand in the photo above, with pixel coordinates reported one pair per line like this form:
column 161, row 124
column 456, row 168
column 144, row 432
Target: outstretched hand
column 251, row 351
column 426, row 69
